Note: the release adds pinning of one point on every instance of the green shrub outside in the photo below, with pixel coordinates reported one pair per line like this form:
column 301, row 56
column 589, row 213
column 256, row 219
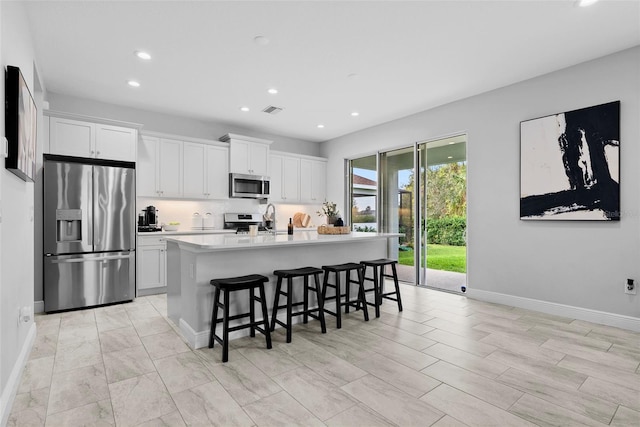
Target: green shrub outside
column 363, row 218
column 447, row 231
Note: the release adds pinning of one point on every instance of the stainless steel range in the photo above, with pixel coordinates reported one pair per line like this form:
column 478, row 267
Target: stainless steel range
column 241, row 222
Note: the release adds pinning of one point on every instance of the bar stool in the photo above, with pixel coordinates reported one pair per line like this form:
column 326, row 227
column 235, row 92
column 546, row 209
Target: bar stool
column 378, row 282
column 226, row 286
column 304, row 272
column 337, row 269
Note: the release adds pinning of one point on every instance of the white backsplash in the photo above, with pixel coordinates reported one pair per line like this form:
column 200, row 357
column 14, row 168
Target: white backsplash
column 182, row 210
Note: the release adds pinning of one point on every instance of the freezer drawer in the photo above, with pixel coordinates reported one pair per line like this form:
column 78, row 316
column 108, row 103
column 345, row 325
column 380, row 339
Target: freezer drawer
column 74, row 281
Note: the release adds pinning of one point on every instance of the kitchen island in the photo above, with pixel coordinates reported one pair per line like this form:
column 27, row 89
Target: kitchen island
column 193, row 261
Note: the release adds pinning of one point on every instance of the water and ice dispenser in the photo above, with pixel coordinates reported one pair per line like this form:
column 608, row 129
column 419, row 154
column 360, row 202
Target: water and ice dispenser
column 69, row 225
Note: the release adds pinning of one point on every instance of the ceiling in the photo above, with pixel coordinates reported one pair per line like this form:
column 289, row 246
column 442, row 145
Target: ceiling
column 383, row 59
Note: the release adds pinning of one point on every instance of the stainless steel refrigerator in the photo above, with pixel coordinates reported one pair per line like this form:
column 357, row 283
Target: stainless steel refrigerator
column 89, row 232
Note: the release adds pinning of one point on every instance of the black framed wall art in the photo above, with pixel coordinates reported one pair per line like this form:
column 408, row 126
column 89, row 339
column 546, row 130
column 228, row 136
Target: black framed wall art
column 570, row 165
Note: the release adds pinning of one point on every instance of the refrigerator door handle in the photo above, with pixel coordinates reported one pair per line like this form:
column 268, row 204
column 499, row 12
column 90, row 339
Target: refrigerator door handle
column 89, row 206
column 105, row 258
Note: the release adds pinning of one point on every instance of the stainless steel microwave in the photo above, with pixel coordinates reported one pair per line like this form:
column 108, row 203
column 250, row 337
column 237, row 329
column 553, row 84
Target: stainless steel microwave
column 248, row 186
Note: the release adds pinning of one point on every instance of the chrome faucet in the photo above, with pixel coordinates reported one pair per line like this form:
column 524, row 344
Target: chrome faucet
column 271, row 217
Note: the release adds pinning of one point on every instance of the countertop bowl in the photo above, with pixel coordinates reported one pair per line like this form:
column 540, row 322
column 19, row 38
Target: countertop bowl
column 170, row 227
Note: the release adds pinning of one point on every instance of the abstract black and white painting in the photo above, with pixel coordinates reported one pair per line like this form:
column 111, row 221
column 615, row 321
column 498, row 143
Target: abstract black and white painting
column 569, row 165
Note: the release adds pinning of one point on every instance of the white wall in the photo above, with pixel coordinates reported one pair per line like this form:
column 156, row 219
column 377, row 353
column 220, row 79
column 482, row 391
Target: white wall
column 577, row 264
column 159, row 122
column 16, row 229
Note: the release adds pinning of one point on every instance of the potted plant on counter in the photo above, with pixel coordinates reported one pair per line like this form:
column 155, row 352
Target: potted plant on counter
column 330, row 210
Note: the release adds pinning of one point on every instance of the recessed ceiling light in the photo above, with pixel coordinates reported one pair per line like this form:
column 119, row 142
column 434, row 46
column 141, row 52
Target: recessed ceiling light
column 451, row 143
column 261, row 40
column 450, row 157
column 245, row 109
column 272, row 91
column 142, row 55
column 355, row 114
column 133, row 83
column 320, row 126
column 585, row 3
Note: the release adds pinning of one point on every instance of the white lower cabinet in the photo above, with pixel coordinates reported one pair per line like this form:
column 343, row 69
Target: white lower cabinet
column 151, row 275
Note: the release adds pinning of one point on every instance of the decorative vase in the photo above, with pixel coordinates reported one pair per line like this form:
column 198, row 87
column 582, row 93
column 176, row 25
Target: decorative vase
column 331, row 219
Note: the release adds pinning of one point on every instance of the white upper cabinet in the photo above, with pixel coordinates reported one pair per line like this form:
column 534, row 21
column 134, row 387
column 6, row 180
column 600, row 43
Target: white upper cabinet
column 206, row 171
column 83, row 138
column 171, row 167
column 297, row 179
column 248, row 155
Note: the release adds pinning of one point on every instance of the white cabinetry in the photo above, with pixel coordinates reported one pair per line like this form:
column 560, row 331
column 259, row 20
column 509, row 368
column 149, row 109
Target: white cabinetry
column 285, row 178
column 313, row 180
column 247, row 155
column 160, row 163
column 206, row 171
column 297, row 179
column 81, row 138
column 151, row 276
column 190, row 169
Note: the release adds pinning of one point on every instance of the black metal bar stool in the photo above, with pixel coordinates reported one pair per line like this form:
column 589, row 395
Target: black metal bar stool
column 304, row 272
column 378, row 282
column 227, row 286
column 337, row 269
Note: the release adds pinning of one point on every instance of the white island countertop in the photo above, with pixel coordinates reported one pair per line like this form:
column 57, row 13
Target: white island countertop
column 226, row 242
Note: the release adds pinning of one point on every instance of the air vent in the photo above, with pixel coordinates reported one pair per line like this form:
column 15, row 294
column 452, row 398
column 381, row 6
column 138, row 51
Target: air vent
column 272, row 110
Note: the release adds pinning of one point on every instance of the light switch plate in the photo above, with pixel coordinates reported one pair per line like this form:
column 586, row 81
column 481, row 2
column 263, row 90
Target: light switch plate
column 5, row 147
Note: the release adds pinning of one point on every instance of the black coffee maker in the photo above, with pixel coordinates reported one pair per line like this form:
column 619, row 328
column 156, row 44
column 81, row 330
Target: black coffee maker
column 148, row 219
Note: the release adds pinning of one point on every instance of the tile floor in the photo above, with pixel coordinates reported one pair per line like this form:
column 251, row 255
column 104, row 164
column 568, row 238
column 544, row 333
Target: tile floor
column 445, row 361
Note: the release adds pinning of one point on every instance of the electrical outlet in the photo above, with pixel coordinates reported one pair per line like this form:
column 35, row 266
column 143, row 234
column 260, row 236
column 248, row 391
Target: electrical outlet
column 630, row 287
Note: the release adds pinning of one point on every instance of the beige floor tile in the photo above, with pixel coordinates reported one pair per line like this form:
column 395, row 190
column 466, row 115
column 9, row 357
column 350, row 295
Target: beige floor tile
column 339, row 346
column 392, row 308
column 44, row 346
column 398, row 375
column 279, row 339
column 408, row 339
column 625, row 417
column 78, row 355
column 489, row 323
column 142, row 311
column 358, row 416
column 544, row 413
column 76, row 334
column 393, row 404
column 182, row 371
column 409, row 357
column 626, row 351
column 78, row 387
column 605, row 358
column 476, row 385
column 612, row 392
column 173, row 419
column 127, row 363
column 462, row 343
column 210, row 404
column 37, row 374
column 465, row 360
column 470, row 410
column 321, row 397
column 464, row 330
column 613, row 334
column 31, row 417
column 270, row 361
column 151, row 326
column 493, row 309
column 31, row 399
column 47, row 324
column 405, row 324
column 280, row 409
column 330, row 367
column 556, row 376
column 140, row 399
column 163, row 345
column 524, row 346
column 459, row 316
column 119, row 339
column 93, row 414
column 448, row 421
column 77, row 318
column 597, row 370
column 244, row 382
column 580, row 403
column 568, row 336
column 113, row 319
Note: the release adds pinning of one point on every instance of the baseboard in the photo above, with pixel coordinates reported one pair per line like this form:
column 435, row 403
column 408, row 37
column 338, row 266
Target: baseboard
column 594, row 316
column 11, row 388
column 38, row 306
